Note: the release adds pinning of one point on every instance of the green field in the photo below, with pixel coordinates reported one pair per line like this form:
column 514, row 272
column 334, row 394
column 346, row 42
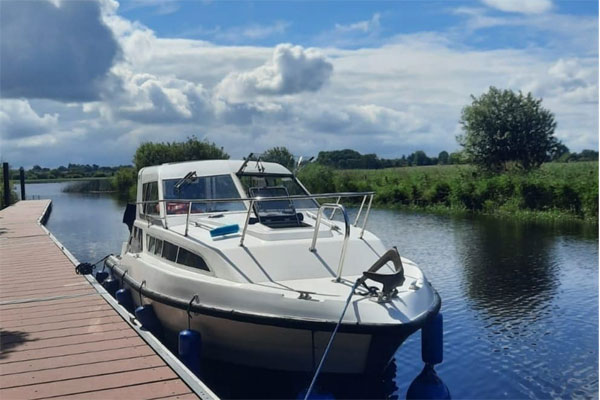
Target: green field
column 555, row 191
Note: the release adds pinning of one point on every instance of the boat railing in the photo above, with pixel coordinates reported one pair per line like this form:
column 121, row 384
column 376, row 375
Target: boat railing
column 187, row 203
column 313, row 246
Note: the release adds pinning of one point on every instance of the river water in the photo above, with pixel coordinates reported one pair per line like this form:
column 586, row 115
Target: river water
column 520, row 301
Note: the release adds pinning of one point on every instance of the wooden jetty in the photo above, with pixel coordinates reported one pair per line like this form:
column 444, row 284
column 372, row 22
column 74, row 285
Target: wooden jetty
column 62, row 335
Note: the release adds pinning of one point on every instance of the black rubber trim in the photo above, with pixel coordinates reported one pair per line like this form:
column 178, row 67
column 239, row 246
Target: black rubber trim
column 284, row 322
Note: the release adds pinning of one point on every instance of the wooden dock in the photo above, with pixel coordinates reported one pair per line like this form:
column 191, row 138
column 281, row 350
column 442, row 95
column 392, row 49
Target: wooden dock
column 61, row 335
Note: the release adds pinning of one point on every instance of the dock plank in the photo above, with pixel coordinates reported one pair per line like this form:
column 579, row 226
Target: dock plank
column 58, row 336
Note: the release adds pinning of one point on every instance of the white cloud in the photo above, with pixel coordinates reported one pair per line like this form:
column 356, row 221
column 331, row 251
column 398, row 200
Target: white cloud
column 46, row 51
column 361, row 26
column 521, row 6
column 291, row 69
column 19, row 120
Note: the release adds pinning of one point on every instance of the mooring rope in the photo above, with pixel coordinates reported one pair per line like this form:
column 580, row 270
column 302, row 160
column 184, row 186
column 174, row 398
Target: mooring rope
column 326, row 352
column 87, row 268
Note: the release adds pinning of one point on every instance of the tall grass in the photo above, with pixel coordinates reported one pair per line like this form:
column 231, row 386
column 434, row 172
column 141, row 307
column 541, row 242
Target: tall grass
column 554, row 191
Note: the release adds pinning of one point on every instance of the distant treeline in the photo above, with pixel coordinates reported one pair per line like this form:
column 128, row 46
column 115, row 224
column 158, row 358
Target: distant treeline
column 351, row 159
column 72, row 171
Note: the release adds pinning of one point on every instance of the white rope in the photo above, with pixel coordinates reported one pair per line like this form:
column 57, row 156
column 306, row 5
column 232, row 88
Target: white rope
column 326, row 352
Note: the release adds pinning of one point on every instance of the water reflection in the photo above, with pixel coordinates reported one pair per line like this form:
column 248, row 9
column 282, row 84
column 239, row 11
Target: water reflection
column 508, row 268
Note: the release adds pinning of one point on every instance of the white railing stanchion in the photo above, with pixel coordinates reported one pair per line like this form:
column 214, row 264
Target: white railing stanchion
column 187, row 218
column 335, row 209
column 366, row 217
column 360, row 210
column 246, row 223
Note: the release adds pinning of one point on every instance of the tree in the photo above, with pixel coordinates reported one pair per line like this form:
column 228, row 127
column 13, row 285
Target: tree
column 419, row 158
column 501, row 126
column 559, row 152
column 279, row 155
column 443, row 157
column 191, row 150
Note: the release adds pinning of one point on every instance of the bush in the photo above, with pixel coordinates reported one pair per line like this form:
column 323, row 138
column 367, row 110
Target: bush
column 535, row 196
column 149, row 154
column 123, row 180
column 317, row 178
column 566, row 198
column 439, row 193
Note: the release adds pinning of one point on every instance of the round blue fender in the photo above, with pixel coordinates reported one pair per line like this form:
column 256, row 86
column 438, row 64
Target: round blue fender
column 101, row 276
column 145, row 314
column 428, row 385
column 123, row 297
column 111, row 286
column 432, row 340
column 189, row 348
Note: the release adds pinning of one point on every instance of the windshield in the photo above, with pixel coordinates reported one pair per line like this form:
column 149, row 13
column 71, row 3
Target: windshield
column 293, row 188
column 205, row 187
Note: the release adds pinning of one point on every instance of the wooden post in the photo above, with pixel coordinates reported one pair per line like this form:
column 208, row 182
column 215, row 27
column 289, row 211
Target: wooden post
column 22, row 179
column 6, row 174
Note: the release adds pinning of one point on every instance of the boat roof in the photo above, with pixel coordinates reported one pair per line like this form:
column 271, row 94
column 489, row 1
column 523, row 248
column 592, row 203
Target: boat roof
column 211, row 168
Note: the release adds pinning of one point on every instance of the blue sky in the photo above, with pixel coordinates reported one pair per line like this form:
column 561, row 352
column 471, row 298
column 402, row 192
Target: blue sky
column 88, row 81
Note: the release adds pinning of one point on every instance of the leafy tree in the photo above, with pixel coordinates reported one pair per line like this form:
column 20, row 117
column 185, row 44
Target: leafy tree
column 419, row 158
column 279, row 155
column 193, row 149
column 443, row 158
column 501, row 126
column 559, row 152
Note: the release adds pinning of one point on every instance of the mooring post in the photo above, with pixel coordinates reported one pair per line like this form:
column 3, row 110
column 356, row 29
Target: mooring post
column 5, row 174
column 22, row 179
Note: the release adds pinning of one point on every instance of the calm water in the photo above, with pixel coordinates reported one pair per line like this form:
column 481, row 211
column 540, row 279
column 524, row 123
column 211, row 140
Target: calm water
column 520, row 301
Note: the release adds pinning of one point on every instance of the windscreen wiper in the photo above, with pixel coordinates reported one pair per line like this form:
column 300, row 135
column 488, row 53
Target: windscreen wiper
column 186, row 180
column 244, row 164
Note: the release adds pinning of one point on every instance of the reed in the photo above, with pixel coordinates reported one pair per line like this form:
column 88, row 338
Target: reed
column 555, row 191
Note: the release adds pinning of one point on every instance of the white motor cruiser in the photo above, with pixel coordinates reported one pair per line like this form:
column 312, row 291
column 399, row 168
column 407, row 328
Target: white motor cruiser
column 271, row 268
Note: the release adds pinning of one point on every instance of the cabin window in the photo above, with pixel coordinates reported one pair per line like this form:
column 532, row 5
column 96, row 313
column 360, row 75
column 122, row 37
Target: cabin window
column 158, row 247
column 150, row 194
column 288, row 182
column 169, row 251
column 190, row 259
column 204, row 187
column 150, row 244
column 135, row 242
column 176, row 254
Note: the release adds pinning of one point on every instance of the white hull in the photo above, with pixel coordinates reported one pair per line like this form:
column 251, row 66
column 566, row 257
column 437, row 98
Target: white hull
column 281, row 348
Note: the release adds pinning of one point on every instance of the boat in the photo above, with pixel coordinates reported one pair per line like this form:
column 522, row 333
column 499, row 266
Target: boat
column 241, row 252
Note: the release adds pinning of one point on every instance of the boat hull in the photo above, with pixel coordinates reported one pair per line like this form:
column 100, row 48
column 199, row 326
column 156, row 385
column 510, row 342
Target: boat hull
column 285, row 345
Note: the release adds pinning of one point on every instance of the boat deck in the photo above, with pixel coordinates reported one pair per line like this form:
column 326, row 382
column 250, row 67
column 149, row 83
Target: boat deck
column 60, row 336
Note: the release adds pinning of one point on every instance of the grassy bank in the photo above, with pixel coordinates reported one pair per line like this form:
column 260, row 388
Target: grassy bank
column 556, row 191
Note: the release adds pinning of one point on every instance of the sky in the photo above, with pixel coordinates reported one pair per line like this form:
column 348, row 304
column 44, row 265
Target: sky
column 88, row 81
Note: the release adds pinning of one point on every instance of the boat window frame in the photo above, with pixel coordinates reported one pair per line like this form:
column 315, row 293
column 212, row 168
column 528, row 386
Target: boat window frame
column 239, row 195
column 203, row 264
column 136, row 240
column 150, row 194
column 276, row 175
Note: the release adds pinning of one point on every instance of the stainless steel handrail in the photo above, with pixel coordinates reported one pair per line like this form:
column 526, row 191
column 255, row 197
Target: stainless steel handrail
column 362, row 231
column 252, row 200
column 313, row 246
column 246, row 223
